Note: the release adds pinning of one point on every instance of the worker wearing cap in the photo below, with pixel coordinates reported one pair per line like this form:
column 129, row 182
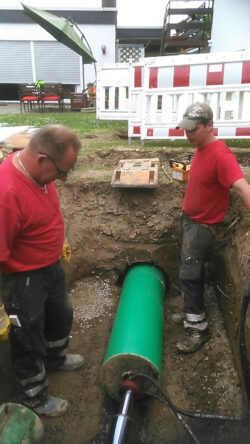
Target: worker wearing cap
column 213, row 172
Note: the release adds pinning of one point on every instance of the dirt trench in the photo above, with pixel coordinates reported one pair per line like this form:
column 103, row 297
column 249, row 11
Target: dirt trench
column 109, row 229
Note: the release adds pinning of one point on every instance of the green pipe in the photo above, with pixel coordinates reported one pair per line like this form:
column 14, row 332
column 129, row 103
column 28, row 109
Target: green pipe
column 136, row 338
column 19, row 425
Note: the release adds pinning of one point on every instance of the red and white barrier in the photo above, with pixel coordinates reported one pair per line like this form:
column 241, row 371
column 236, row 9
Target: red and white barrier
column 159, row 89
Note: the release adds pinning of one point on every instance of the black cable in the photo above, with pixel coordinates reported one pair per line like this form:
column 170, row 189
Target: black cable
column 197, row 415
column 187, row 428
column 178, row 412
column 183, row 412
column 171, row 405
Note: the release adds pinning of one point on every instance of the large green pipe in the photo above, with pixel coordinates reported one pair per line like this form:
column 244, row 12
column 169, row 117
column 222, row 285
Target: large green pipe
column 136, row 339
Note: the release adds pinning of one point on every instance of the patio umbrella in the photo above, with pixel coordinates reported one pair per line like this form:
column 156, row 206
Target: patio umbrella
column 61, row 29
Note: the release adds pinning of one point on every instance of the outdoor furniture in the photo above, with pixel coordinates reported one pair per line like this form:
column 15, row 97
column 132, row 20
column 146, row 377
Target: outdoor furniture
column 76, row 101
column 28, row 96
column 52, row 93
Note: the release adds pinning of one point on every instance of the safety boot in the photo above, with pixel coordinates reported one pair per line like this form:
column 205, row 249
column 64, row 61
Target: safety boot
column 51, row 407
column 192, row 340
column 178, row 317
column 72, row 362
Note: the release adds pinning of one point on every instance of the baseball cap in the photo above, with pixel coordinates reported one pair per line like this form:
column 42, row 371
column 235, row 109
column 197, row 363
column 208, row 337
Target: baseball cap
column 193, row 114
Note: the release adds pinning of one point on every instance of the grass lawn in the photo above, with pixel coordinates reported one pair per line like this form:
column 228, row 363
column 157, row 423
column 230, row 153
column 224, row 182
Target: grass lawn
column 85, row 123
column 80, row 122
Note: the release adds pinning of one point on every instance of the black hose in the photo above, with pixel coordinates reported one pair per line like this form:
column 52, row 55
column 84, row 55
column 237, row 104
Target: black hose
column 242, row 342
column 198, row 415
column 183, row 412
column 171, row 405
column 178, row 412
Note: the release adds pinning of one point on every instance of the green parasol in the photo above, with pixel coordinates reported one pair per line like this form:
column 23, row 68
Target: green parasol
column 61, row 29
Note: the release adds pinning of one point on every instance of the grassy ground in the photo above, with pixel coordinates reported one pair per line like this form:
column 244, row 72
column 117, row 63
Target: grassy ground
column 85, row 123
column 80, row 122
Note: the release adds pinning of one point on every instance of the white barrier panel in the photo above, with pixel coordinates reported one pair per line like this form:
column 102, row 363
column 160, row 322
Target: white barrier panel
column 159, row 89
column 165, row 110
column 112, row 92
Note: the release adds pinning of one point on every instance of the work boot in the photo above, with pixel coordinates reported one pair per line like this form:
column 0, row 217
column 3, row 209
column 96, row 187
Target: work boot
column 51, row 407
column 178, row 317
column 192, row 340
column 72, row 362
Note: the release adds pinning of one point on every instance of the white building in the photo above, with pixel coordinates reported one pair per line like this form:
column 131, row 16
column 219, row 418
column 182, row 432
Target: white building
column 29, row 53
column 230, row 28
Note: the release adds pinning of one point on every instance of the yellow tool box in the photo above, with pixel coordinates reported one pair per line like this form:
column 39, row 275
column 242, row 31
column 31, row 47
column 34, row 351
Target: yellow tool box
column 180, row 167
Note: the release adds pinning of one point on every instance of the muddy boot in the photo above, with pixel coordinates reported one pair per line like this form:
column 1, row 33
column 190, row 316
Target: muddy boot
column 178, row 317
column 72, row 362
column 192, row 340
column 51, row 407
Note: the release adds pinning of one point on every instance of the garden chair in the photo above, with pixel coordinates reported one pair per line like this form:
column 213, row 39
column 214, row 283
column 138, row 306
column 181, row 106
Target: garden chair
column 51, row 93
column 28, row 96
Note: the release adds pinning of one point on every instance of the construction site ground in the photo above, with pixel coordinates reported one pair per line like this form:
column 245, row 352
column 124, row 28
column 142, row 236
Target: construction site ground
column 109, row 229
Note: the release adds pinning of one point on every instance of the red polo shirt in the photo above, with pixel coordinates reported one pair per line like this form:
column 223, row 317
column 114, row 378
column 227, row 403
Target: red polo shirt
column 213, row 171
column 32, row 228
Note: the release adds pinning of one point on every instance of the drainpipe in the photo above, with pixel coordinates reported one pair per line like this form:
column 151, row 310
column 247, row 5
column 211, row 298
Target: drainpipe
column 135, row 344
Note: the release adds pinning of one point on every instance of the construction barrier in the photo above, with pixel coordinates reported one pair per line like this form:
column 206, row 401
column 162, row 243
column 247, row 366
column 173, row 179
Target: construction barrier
column 154, row 93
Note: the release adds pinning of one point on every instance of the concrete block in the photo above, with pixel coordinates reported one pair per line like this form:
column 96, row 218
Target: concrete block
column 136, row 173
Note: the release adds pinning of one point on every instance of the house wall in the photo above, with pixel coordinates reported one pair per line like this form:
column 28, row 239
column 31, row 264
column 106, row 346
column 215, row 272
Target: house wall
column 29, row 53
column 230, row 29
column 21, row 36
column 97, row 37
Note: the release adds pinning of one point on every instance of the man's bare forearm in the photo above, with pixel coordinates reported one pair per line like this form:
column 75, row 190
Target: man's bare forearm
column 242, row 187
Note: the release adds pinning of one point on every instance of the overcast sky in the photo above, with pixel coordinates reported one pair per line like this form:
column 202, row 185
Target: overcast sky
column 140, row 12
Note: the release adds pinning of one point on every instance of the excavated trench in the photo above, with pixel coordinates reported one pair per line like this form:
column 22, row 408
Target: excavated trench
column 110, row 229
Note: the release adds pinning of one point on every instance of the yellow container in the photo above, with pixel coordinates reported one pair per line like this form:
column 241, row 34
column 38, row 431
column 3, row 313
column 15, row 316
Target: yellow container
column 180, row 167
column 178, row 174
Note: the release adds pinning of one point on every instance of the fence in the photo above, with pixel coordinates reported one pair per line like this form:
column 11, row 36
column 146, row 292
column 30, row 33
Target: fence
column 154, row 93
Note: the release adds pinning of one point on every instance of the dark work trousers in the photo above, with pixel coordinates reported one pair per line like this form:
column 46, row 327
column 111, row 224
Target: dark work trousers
column 196, row 244
column 40, row 301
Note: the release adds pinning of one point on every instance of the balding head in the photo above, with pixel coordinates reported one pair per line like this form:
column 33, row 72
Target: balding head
column 54, row 140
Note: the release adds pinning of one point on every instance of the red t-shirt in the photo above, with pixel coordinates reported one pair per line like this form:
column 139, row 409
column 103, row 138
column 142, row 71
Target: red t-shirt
column 31, row 227
column 213, row 171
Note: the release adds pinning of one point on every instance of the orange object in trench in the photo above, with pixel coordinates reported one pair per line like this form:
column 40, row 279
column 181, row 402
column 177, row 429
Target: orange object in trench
column 180, row 167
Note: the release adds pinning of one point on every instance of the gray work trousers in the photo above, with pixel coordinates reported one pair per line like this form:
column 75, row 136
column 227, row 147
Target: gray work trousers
column 39, row 300
column 196, row 244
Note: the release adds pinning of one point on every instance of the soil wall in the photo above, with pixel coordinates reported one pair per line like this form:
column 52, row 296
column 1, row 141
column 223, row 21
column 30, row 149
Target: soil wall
column 109, row 229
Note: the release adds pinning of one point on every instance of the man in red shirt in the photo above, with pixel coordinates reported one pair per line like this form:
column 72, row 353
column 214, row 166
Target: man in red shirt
column 213, row 172
column 32, row 278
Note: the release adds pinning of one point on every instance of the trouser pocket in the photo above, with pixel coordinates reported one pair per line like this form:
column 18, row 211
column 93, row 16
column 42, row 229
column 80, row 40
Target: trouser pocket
column 24, row 309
